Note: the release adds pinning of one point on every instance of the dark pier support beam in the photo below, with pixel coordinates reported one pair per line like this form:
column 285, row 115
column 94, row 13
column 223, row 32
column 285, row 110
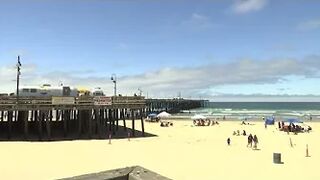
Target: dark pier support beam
column 113, row 121
column 64, row 123
column 57, row 115
column 36, row 114
column 48, row 123
column 65, row 119
column 133, row 128
column 80, row 117
column 104, row 121
column 26, row 128
column 110, row 120
column 107, row 120
column 40, row 119
column 117, row 118
column 99, row 116
column 123, row 117
column 142, row 122
column 91, row 114
column 9, row 118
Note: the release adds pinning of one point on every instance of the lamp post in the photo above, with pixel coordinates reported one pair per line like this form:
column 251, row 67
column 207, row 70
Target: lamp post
column 18, row 78
column 114, row 80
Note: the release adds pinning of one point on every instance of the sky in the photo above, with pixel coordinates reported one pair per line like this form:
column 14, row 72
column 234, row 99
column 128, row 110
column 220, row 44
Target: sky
column 226, row 50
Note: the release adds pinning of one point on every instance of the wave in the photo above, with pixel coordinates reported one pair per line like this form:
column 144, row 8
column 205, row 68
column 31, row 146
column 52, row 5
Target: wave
column 252, row 113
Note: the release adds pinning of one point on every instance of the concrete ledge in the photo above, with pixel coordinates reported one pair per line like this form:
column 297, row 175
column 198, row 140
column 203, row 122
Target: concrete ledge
column 128, row 173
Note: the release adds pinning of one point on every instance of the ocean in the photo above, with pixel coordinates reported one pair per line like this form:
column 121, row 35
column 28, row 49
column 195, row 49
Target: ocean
column 254, row 110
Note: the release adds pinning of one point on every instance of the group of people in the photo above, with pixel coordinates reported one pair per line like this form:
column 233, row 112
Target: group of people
column 204, row 122
column 244, row 123
column 292, row 128
column 237, row 133
column 165, row 124
column 254, row 140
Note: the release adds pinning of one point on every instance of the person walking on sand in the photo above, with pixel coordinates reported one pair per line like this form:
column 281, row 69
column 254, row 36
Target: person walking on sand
column 250, row 138
column 279, row 125
column 255, row 140
column 228, row 141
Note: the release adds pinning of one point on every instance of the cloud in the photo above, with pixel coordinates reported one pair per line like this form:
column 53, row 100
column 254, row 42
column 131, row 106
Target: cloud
column 309, row 25
column 247, row 6
column 198, row 22
column 167, row 82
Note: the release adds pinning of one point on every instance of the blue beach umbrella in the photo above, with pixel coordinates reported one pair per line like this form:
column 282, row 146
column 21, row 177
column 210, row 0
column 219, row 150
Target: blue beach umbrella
column 269, row 120
column 152, row 115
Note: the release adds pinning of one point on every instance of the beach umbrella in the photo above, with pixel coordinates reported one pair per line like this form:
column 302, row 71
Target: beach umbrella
column 269, row 120
column 152, row 115
column 164, row 115
column 198, row 117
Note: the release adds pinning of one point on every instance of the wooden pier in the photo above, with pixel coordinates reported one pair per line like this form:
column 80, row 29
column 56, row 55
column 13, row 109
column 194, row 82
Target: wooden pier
column 173, row 105
column 42, row 118
column 83, row 118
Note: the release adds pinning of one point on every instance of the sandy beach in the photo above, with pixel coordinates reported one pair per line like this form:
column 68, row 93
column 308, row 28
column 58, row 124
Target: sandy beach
column 179, row 152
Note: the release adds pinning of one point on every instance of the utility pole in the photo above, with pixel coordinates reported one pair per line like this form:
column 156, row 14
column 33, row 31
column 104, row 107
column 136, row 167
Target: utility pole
column 18, row 78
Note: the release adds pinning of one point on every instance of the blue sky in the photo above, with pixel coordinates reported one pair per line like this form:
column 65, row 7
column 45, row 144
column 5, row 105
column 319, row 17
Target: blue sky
column 165, row 47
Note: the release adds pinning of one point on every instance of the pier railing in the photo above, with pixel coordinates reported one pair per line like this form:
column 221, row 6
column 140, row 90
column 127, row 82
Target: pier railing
column 47, row 102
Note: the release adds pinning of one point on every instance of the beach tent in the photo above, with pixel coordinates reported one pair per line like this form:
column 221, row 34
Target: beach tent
column 293, row 120
column 164, row 115
column 269, row 121
column 198, row 117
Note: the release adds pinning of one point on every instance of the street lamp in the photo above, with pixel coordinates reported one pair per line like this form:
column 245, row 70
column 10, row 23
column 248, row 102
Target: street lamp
column 114, row 80
column 140, row 92
column 18, row 77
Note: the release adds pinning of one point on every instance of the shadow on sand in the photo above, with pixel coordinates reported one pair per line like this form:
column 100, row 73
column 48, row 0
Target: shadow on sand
column 58, row 135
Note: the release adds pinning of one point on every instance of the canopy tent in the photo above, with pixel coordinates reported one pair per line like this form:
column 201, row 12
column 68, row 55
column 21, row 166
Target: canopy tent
column 195, row 117
column 163, row 115
column 269, row 121
column 293, row 120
